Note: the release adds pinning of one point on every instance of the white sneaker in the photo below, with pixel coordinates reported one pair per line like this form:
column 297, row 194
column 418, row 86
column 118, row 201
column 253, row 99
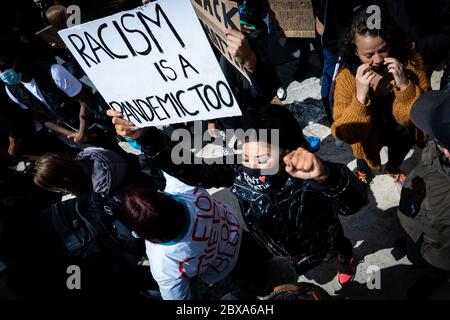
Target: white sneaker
column 281, row 93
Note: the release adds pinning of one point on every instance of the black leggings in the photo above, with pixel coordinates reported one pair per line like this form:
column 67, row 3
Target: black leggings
column 342, row 246
column 399, row 143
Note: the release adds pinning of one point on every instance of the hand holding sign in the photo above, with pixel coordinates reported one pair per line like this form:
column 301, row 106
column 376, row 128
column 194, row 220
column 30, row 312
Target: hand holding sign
column 124, row 127
column 240, row 50
column 217, row 19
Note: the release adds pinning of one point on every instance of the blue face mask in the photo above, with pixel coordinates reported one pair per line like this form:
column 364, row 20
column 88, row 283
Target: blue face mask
column 11, row 77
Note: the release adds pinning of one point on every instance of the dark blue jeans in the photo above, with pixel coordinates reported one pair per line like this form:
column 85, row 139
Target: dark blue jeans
column 329, row 66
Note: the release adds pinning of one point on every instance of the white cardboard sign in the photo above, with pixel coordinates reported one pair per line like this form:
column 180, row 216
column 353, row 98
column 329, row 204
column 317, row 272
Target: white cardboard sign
column 153, row 64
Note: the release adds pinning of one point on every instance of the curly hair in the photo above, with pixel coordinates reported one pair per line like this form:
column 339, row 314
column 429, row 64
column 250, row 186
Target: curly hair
column 397, row 40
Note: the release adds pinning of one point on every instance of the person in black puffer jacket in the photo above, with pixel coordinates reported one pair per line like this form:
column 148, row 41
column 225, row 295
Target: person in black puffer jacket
column 289, row 199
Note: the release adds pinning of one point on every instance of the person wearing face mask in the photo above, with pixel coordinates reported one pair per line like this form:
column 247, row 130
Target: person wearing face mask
column 52, row 96
column 381, row 78
column 289, row 198
column 20, row 137
column 424, row 209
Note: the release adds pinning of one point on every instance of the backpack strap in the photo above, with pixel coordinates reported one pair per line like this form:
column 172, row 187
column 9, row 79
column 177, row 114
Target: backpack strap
column 113, row 234
column 67, row 224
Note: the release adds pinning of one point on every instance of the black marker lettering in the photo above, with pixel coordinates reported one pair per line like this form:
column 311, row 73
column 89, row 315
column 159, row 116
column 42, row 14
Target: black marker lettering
column 80, row 49
column 186, row 64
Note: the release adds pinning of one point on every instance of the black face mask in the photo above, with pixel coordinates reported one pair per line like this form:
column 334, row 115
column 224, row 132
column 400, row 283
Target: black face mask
column 379, row 69
column 257, row 180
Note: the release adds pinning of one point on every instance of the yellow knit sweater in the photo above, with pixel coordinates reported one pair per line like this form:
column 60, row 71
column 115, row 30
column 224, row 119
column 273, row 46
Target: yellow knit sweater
column 353, row 121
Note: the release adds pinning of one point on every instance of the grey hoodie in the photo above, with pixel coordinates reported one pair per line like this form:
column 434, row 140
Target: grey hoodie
column 107, row 168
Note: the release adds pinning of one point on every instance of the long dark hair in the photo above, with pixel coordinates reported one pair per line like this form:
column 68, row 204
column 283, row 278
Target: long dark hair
column 57, row 171
column 399, row 45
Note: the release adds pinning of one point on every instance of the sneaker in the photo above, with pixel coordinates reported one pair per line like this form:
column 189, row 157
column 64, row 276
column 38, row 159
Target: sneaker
column 362, row 176
column 281, row 93
column 347, row 270
column 399, row 178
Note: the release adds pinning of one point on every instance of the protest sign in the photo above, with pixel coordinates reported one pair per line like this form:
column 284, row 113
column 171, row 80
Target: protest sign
column 292, row 18
column 216, row 17
column 153, row 64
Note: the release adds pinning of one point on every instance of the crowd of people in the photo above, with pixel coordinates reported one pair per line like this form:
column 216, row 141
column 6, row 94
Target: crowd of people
column 137, row 224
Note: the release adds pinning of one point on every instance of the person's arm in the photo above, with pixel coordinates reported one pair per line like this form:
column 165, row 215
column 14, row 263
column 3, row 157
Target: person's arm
column 84, row 100
column 159, row 151
column 352, row 117
column 417, row 84
column 239, row 48
column 264, row 79
column 336, row 181
column 74, row 89
column 343, row 188
column 57, row 128
column 157, row 148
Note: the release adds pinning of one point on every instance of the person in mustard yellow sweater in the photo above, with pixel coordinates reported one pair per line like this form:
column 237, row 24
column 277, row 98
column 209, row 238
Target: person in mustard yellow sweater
column 381, row 78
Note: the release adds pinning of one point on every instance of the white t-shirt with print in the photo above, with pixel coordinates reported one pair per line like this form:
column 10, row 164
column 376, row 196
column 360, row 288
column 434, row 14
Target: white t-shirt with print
column 209, row 249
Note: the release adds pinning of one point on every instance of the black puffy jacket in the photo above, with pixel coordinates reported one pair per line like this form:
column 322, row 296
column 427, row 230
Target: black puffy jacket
column 297, row 219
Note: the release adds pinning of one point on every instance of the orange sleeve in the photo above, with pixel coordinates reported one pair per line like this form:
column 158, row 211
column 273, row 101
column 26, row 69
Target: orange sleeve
column 418, row 84
column 352, row 120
